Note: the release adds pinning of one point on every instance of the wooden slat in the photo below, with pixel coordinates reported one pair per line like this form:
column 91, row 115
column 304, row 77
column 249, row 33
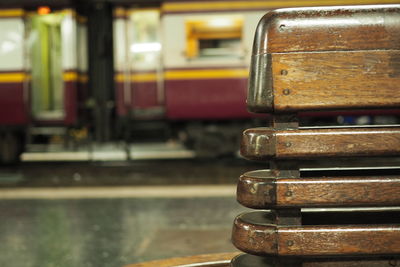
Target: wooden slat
column 339, row 240
column 264, row 143
column 339, row 191
column 258, row 192
column 260, row 236
column 248, row 260
column 336, row 80
column 258, row 143
column 337, row 142
column 329, row 29
column 208, row 260
column 255, row 233
column 257, row 189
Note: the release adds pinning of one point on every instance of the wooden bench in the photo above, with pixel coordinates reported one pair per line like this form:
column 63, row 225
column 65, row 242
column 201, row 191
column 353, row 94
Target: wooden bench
column 311, row 60
column 208, row 260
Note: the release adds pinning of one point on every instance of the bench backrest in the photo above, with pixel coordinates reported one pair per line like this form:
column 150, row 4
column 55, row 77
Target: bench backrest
column 326, row 58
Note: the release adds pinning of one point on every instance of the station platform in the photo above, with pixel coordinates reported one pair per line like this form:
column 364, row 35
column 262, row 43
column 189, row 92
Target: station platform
column 108, row 152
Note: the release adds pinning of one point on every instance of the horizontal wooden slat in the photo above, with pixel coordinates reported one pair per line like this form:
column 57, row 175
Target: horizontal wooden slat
column 255, row 191
column 258, row 235
column 329, row 29
column 336, row 80
column 361, row 40
column 207, row 260
column 338, row 142
column 264, row 143
column 255, row 233
column 339, row 240
column 339, row 191
column 248, row 260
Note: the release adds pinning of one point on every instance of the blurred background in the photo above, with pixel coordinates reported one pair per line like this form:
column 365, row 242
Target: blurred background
column 120, row 123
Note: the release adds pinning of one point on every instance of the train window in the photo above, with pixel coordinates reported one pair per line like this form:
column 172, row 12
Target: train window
column 144, row 38
column 211, row 37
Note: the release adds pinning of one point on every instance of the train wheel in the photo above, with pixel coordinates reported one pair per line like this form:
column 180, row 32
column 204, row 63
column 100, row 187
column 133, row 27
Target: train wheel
column 9, row 148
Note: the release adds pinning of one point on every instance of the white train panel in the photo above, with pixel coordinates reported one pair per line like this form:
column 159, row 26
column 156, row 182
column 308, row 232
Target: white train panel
column 11, row 44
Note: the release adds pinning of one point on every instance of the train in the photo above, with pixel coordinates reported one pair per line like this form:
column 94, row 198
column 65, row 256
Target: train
column 128, row 70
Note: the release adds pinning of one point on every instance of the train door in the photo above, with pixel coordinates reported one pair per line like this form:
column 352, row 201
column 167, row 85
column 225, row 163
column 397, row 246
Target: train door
column 52, row 47
column 138, row 70
column 46, row 69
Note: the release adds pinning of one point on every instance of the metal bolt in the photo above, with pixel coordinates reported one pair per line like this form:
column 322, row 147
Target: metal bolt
column 282, row 27
column 253, row 188
column 286, row 91
column 288, row 194
column 284, row 72
column 290, row 243
column 288, row 144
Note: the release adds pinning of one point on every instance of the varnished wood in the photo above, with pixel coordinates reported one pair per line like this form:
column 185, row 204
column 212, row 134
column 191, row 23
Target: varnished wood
column 258, row 143
column 209, row 260
column 254, row 234
column 329, row 29
column 261, row 190
column 353, row 48
column 336, row 80
column 265, row 143
column 338, row 142
column 339, row 240
column 320, row 59
column 257, row 189
column 338, row 192
column 247, row 260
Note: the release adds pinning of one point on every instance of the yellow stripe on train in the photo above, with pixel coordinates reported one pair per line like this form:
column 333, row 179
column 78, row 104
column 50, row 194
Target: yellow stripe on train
column 13, row 77
column 17, row 12
column 73, row 76
column 185, row 75
column 18, row 77
column 205, row 74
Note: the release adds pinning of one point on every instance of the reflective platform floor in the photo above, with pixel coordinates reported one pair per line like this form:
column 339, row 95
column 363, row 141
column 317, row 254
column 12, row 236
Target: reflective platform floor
column 49, row 217
column 113, row 231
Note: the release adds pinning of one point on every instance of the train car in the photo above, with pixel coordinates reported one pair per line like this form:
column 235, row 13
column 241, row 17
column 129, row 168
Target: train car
column 186, row 66
column 169, row 69
column 42, row 74
column 185, row 63
column 14, row 104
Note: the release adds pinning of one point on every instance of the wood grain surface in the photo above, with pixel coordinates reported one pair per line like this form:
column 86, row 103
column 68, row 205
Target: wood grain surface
column 265, row 143
column 329, row 29
column 336, row 80
column 268, row 192
column 339, row 240
column 262, row 237
column 337, row 142
column 247, row 260
column 258, row 143
column 338, row 192
column 255, row 233
column 257, row 192
column 211, row 260
column 343, row 49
